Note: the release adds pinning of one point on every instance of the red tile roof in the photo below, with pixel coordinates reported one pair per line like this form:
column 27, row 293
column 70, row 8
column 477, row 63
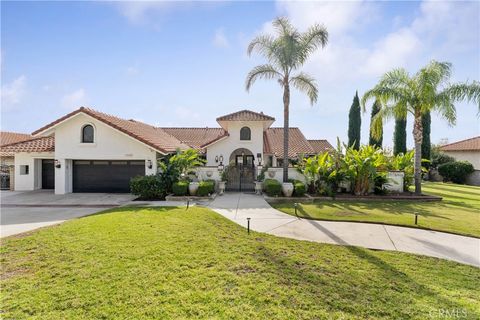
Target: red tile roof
column 246, row 115
column 298, row 144
column 320, row 146
column 12, row 137
column 197, row 138
column 472, row 144
column 150, row 135
column 42, row 144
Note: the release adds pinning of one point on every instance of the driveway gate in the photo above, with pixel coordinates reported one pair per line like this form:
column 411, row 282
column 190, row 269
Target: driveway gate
column 240, row 178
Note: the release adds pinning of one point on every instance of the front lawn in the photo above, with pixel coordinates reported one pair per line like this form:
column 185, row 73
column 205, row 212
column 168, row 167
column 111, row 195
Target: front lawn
column 459, row 212
column 170, row 263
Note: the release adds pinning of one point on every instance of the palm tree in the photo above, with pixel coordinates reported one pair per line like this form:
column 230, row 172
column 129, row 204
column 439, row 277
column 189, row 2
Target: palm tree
column 286, row 52
column 427, row 90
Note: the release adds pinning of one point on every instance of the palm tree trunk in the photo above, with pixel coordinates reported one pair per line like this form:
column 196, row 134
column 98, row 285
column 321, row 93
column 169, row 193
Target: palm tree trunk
column 286, row 104
column 418, row 136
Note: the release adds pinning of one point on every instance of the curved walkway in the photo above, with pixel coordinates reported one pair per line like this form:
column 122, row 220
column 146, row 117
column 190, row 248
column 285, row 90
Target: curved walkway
column 238, row 207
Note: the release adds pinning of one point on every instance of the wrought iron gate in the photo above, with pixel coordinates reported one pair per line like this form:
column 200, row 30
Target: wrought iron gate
column 240, row 178
column 4, row 177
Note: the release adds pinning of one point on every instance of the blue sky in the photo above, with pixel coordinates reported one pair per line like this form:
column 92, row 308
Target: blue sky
column 184, row 64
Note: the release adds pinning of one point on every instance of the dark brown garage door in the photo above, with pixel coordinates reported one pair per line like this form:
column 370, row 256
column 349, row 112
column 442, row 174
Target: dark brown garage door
column 105, row 175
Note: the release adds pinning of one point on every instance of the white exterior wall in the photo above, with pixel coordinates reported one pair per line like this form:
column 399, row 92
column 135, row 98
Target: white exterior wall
column 226, row 146
column 33, row 180
column 109, row 144
column 277, row 174
column 471, row 156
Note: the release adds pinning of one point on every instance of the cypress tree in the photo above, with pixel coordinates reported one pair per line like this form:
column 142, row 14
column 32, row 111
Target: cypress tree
column 372, row 140
column 354, row 123
column 426, row 145
column 400, row 136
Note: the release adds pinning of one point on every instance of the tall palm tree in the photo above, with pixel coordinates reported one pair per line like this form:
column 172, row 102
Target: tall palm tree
column 428, row 90
column 286, row 52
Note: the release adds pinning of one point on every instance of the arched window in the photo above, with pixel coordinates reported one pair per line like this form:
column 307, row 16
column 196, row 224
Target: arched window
column 87, row 134
column 245, row 133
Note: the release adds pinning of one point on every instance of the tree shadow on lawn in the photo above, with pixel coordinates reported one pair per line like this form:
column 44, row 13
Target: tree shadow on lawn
column 134, row 209
column 393, row 283
column 394, row 208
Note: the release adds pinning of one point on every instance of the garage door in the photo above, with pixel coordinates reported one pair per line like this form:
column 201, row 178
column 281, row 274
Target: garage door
column 105, row 175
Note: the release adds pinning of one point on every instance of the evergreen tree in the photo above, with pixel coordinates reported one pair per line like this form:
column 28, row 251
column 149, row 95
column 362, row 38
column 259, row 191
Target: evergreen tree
column 400, row 137
column 354, row 123
column 372, row 140
column 426, row 145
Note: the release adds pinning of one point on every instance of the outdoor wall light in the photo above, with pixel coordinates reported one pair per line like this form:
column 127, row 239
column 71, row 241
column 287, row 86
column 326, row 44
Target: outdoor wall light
column 57, row 164
column 216, row 159
column 221, row 167
column 220, row 158
column 149, row 164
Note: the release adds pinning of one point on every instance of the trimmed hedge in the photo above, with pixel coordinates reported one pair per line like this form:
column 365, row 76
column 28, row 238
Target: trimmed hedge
column 456, row 171
column 148, row 187
column 273, row 188
column 205, row 188
column 299, row 188
column 180, row 188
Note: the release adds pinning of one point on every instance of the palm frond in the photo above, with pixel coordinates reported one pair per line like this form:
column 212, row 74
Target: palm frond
column 265, row 71
column 385, row 113
column 464, row 92
column 283, row 26
column 316, row 36
column 306, row 83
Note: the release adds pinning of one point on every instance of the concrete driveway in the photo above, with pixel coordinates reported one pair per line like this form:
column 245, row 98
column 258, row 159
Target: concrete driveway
column 23, row 211
column 263, row 218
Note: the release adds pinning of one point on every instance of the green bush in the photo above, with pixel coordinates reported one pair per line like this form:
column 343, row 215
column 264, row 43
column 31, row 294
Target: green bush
column 205, row 188
column 180, row 188
column 273, row 188
column 456, row 171
column 148, row 187
column 299, row 188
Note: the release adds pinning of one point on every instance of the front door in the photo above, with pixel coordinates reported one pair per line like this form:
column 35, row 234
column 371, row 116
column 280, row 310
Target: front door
column 240, row 177
column 48, row 174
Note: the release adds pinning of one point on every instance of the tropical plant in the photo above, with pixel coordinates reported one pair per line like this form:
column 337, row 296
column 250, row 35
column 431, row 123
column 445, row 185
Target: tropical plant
column 185, row 161
column 374, row 141
column 425, row 91
column 286, row 52
column 309, row 168
column 354, row 123
column 438, row 157
column 399, row 135
column 362, row 166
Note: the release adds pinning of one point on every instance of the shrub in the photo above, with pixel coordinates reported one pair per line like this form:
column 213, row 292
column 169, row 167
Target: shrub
column 180, row 188
column 456, row 171
column 299, row 188
column 148, row 187
column 272, row 187
column 205, row 188
column 440, row 158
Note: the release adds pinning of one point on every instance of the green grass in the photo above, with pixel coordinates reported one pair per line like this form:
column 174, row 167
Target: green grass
column 459, row 212
column 169, row 263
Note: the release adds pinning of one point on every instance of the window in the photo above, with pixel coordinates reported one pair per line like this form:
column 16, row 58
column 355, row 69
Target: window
column 245, row 133
column 24, row 169
column 87, row 134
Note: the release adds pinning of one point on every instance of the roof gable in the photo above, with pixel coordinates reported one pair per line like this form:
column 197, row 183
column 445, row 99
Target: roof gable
column 152, row 136
column 298, row 144
column 245, row 115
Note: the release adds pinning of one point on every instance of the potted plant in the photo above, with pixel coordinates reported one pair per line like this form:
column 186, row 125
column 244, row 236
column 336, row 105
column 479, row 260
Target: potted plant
column 259, row 181
column 222, row 182
column 287, row 189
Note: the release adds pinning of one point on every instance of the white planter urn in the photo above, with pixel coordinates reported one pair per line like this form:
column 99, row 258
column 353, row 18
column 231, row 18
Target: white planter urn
column 221, row 187
column 192, row 188
column 258, row 187
column 287, row 189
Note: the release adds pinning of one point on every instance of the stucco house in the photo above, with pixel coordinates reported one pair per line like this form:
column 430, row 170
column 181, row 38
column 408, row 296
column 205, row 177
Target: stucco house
column 466, row 150
column 7, row 158
column 90, row 151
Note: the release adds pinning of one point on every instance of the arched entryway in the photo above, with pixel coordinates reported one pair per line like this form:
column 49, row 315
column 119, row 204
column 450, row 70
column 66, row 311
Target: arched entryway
column 241, row 171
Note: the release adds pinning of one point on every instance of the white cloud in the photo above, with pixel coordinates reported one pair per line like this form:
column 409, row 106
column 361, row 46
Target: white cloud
column 75, row 99
column 12, row 93
column 220, row 39
column 133, row 70
column 139, row 11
